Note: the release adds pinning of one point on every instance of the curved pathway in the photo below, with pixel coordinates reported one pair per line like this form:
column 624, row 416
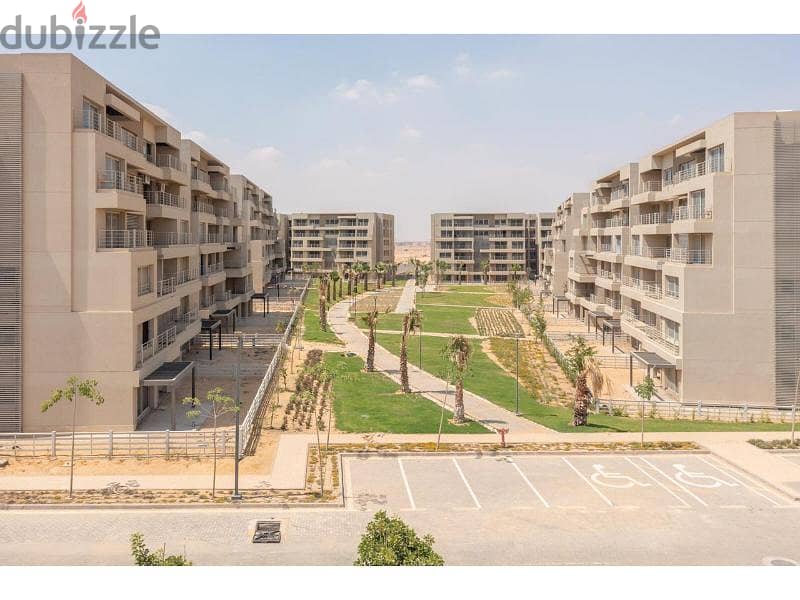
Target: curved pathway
column 477, row 408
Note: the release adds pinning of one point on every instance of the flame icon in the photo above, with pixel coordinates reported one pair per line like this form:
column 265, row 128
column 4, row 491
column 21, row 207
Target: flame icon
column 79, row 13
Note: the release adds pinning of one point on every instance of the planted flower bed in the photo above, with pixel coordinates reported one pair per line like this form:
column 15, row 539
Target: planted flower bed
column 497, row 322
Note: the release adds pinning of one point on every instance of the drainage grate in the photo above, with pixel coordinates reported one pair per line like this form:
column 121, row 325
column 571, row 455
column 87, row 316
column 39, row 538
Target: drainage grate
column 267, row 532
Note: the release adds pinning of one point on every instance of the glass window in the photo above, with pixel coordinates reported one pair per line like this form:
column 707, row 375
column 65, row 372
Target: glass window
column 716, row 159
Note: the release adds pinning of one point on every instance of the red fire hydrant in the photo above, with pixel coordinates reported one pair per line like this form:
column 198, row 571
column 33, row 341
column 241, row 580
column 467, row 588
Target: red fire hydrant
column 503, row 431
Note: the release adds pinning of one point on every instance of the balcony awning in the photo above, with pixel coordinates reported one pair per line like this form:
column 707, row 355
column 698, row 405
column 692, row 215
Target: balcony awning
column 208, row 325
column 652, row 360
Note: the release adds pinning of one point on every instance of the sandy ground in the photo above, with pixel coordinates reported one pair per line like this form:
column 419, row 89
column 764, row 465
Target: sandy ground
column 405, row 251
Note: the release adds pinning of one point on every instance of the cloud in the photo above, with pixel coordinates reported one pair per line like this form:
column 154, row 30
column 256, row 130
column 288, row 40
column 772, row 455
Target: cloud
column 331, row 163
column 362, row 91
column 502, row 73
column 410, row 133
column 161, row 112
column 466, row 71
column 421, row 82
column 463, row 67
column 265, row 154
column 676, row 119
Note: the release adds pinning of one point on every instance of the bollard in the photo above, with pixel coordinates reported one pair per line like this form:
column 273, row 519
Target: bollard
column 503, row 431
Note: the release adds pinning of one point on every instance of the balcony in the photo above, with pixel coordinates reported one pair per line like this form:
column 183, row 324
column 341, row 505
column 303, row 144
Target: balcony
column 165, row 287
column 651, row 289
column 164, row 199
column 690, row 172
column 121, row 181
column 210, row 238
column 92, row 119
column 167, row 161
column 685, row 213
column 152, row 347
column 201, row 206
column 171, row 238
column 185, row 276
column 211, row 269
column 689, row 257
column 201, row 176
column 652, row 332
column 124, row 238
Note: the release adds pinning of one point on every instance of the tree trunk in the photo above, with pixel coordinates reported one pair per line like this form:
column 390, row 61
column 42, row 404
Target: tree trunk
column 214, row 471
column 581, row 411
column 404, row 358
column 350, row 286
column 323, row 308
column 458, row 409
column 371, row 348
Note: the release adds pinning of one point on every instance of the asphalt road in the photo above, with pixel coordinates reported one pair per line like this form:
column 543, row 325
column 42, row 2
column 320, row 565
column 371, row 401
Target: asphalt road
column 642, row 510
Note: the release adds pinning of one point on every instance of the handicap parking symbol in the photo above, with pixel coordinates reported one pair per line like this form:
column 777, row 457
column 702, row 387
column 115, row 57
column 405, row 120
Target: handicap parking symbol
column 614, row 480
column 699, row 479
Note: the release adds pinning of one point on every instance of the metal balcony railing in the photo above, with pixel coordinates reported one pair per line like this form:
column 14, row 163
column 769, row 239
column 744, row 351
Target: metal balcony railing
column 171, row 238
column 652, row 332
column 90, row 119
column 684, row 213
column 169, row 161
column 145, row 287
column 200, row 175
column 185, row 276
column 165, row 287
column 684, row 174
column 650, row 252
column 152, row 347
column 210, row 238
column 164, row 199
column 119, row 180
column 689, row 257
column 186, row 319
column 223, row 296
column 649, row 186
column 653, row 218
column 202, row 206
column 125, row 238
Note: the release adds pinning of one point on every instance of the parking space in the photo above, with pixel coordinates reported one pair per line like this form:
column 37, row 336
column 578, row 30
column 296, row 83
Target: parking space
column 556, row 481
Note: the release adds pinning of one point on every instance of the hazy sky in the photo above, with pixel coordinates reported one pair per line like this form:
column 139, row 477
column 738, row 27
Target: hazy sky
column 418, row 124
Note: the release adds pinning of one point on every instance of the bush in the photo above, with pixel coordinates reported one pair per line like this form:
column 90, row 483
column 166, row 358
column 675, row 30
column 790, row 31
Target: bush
column 390, row 542
column 143, row 557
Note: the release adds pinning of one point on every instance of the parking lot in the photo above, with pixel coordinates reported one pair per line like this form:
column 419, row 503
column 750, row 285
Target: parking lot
column 541, row 482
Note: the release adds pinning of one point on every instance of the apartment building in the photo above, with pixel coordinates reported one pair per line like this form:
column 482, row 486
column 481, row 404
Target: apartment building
column 556, row 259
column 324, row 242
column 128, row 237
column 494, row 245
column 696, row 248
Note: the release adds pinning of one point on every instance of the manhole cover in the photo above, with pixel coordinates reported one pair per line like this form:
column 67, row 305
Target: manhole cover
column 267, row 532
column 778, row 561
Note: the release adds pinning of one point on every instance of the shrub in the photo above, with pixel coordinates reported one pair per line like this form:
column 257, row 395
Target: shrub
column 390, row 542
column 143, row 557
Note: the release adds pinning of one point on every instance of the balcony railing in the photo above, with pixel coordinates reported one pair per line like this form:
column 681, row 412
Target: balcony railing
column 90, row 119
column 171, row 238
column 685, row 213
column 695, row 170
column 119, row 180
column 152, row 347
column 210, row 238
column 614, row 222
column 619, row 193
column 652, row 332
column 649, row 186
column 221, row 211
column 186, row 319
column 653, row 218
column 650, row 252
column 145, row 287
column 169, row 161
column 689, row 257
column 125, row 238
column 203, row 206
column 165, row 287
column 650, row 289
column 200, row 175
column 223, row 296
column 164, row 199
column 608, row 275
column 185, row 276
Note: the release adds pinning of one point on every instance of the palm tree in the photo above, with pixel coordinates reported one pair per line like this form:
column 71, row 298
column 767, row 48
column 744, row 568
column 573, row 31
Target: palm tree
column 485, row 266
column 335, row 278
column 72, row 391
column 515, row 271
column 411, row 323
column 393, row 266
column 380, row 272
column 371, row 321
column 458, row 352
column 415, row 262
column 323, row 303
column 441, row 265
column 589, row 378
column 424, row 273
column 348, row 274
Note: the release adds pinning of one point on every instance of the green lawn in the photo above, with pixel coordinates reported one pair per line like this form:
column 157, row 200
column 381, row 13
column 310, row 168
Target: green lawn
column 454, row 298
column 465, row 287
column 487, row 379
column 436, row 319
column 371, row 402
column 313, row 332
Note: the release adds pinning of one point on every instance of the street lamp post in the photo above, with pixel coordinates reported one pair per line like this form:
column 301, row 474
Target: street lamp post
column 517, row 373
column 236, row 495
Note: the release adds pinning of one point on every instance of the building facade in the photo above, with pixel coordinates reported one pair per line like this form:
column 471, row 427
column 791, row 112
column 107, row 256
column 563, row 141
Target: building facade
column 117, row 237
column 696, row 249
column 556, row 259
column 324, row 242
column 493, row 246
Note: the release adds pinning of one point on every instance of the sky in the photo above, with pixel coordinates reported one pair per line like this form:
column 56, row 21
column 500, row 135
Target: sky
column 412, row 125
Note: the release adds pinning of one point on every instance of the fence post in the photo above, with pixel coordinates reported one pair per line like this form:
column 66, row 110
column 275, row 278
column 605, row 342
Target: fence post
column 166, row 441
column 53, row 444
column 110, row 444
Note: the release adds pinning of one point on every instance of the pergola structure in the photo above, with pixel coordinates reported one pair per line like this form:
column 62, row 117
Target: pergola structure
column 557, row 300
column 227, row 314
column 612, row 327
column 209, row 326
column 169, row 375
column 264, row 297
column 597, row 315
column 650, row 360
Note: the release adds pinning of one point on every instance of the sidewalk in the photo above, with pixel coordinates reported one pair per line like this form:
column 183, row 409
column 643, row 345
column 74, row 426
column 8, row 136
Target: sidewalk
column 407, row 298
column 433, row 388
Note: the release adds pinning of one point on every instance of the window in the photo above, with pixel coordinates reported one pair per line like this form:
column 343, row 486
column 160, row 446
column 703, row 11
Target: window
column 668, row 176
column 673, row 287
column 671, row 331
column 716, row 159
column 145, row 279
column 91, row 115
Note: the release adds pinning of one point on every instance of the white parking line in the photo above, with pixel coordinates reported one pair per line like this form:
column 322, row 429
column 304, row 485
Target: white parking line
column 752, row 489
column 408, row 487
column 681, row 500
column 589, row 483
column 677, row 483
column 466, row 483
column 530, row 485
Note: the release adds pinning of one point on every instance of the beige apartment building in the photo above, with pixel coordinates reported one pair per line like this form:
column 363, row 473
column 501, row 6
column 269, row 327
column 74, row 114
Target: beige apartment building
column 696, row 248
column 555, row 261
column 497, row 244
column 117, row 237
column 324, row 242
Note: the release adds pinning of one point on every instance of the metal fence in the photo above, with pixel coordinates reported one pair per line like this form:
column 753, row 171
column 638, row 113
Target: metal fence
column 164, row 443
column 668, row 409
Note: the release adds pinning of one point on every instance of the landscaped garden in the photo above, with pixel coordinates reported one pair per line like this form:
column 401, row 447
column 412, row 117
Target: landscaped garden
column 497, row 322
column 435, row 319
column 455, row 299
column 312, row 330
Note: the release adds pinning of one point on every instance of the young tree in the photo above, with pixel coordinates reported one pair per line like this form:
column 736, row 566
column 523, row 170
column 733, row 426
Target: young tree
column 441, row 265
column 583, row 363
column 388, row 541
column 515, row 272
column 143, row 557
column 485, row 267
column 411, row 323
column 539, row 321
column 393, row 266
column 323, row 303
column 371, row 321
column 645, row 390
column 217, row 404
column 380, row 273
column 74, row 389
column 335, row 278
column 348, row 274
column 458, row 352
column 415, row 262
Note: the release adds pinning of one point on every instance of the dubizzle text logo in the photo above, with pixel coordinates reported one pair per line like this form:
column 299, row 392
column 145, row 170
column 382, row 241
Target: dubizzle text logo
column 58, row 36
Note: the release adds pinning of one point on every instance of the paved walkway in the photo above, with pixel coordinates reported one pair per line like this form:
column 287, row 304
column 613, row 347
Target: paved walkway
column 433, row 388
column 406, row 301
